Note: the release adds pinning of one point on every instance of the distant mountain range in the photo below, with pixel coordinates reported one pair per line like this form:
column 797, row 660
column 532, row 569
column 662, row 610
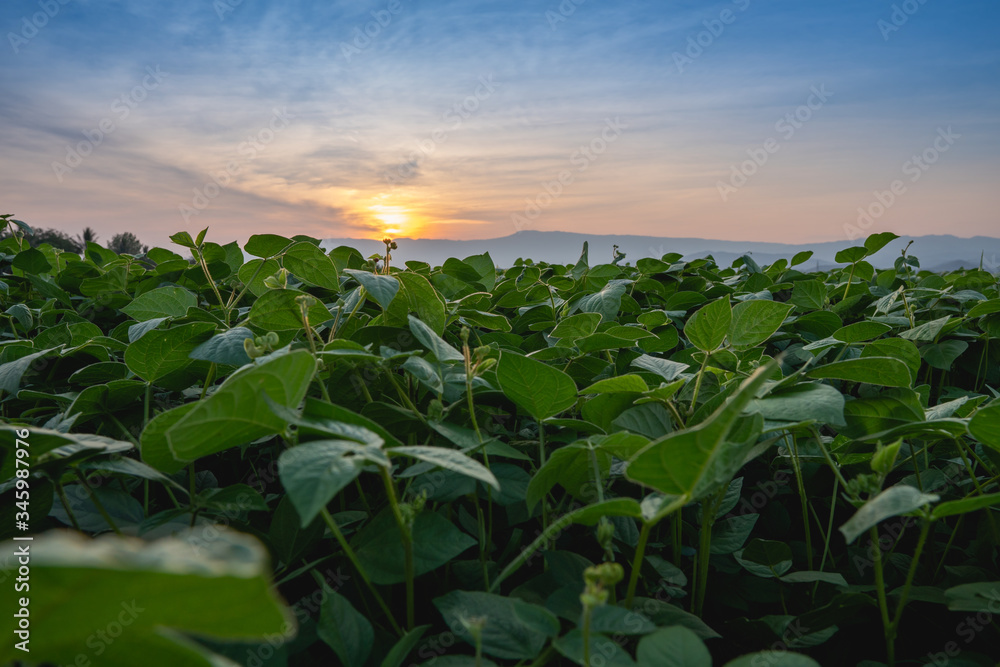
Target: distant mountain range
column 936, row 253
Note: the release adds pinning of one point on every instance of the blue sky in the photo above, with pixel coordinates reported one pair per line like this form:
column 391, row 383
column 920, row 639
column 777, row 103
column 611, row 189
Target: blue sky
column 476, row 119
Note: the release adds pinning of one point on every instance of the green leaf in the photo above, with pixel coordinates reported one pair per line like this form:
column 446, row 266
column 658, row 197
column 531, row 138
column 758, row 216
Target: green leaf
column 381, row 288
column 265, row 245
column 755, row 321
column 765, row 558
column 809, row 294
column 277, row 310
column 225, row 348
column 310, row 264
column 895, row 500
column 238, row 413
column 676, row 646
column 861, row 331
column 401, row 649
column 344, row 629
column 314, row 472
column 572, row 466
column 981, row 596
column 617, row 385
column 696, row 460
column 965, row 505
column 450, row 459
column 810, row 576
column 984, row 425
column 216, row 588
column 707, row 327
column 802, row 402
column 161, row 302
column 943, row 355
column 440, row 348
column 436, row 541
column 253, row 273
column 928, row 331
column 31, row 260
column 417, row 295
column 12, row 371
column 603, row 647
column 800, row 257
column 665, row 368
column 851, row 255
column 514, row 630
column 543, row 391
column 884, row 371
column 876, row 242
column 773, row 659
column 165, row 351
column 607, row 302
column 576, row 326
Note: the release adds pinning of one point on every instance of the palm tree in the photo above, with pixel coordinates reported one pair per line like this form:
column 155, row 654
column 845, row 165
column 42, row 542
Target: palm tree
column 88, row 236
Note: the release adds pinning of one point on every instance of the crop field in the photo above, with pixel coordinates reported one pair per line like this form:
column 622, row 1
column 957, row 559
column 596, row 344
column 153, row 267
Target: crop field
column 277, row 455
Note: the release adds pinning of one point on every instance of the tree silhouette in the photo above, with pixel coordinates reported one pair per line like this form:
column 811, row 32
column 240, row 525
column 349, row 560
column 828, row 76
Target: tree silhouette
column 126, row 243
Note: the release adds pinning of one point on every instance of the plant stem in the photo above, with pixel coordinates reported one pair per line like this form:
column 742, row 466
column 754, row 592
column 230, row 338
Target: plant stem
column 697, row 384
column 97, row 502
column 65, row 503
column 640, row 553
column 904, row 595
column 883, row 605
column 704, row 550
column 353, row 557
column 586, row 635
column 803, row 502
column 407, row 537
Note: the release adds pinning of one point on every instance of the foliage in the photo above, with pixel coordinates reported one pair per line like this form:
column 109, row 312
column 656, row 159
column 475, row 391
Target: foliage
column 667, row 463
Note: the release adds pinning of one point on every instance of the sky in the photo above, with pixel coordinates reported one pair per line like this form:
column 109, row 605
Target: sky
column 771, row 120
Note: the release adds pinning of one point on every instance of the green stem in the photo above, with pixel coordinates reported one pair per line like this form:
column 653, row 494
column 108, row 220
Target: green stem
column 704, row 550
column 65, row 503
column 924, row 530
column 850, row 279
column 640, row 554
column 97, row 502
column 883, row 605
column 407, row 537
column 803, row 502
column 586, row 635
column 697, row 384
column 353, row 557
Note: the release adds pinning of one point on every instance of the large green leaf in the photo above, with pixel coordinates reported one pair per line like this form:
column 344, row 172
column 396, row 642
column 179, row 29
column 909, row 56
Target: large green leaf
column 450, row 459
column 12, row 371
column 238, row 412
column 86, row 591
column 344, row 628
column 576, row 326
column 708, row 326
column 381, row 288
column 802, row 402
column 436, row 541
column 885, row 371
column 755, row 321
column 675, row 646
column 696, row 460
column 278, row 310
column 607, row 302
column 543, row 391
column 894, row 501
column 314, row 472
column 266, row 245
column 161, row 302
column 417, row 295
column 985, row 425
column 310, row 264
column 225, row 348
column 438, row 346
column 166, row 350
column 514, row 629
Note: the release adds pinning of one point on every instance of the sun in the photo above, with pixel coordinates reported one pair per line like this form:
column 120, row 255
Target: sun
column 394, row 219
